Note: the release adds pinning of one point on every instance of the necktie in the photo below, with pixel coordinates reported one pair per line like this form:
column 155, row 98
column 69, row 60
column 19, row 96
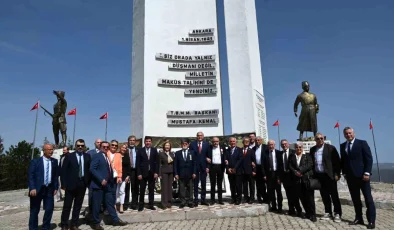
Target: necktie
column 272, row 161
column 148, row 153
column 80, row 166
column 131, row 157
column 285, row 160
column 109, row 166
column 245, row 150
column 47, row 174
column 199, row 147
column 348, row 147
column 184, row 155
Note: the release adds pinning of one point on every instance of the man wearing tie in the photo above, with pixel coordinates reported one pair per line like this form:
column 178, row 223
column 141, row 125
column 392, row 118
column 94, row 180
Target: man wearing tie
column 201, row 148
column 132, row 188
column 248, row 170
column 75, row 178
column 287, row 179
column 356, row 164
column 234, row 171
column 260, row 177
column 217, row 164
column 43, row 184
column 102, row 186
column 147, row 171
column 185, row 172
column 273, row 167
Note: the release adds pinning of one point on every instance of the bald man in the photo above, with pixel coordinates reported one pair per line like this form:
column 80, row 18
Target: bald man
column 43, row 185
column 96, row 149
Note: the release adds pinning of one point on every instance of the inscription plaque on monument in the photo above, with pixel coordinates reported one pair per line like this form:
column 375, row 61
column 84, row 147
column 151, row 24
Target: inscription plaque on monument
column 196, row 39
column 180, row 113
column 200, row 91
column 201, row 121
column 187, row 66
column 200, row 74
column 202, row 31
column 175, row 57
column 203, row 82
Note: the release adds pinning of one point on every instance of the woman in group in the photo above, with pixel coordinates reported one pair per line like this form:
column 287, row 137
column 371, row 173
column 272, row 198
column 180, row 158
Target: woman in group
column 301, row 165
column 166, row 173
column 126, row 171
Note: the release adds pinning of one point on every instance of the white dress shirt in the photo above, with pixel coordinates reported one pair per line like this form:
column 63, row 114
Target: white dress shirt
column 273, row 160
column 216, row 156
column 258, row 155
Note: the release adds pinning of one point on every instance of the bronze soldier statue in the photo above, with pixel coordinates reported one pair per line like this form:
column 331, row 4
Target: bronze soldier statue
column 308, row 119
column 59, row 122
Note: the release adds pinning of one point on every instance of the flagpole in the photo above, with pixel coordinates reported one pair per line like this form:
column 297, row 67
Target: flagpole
column 75, row 120
column 376, row 155
column 279, row 135
column 106, row 127
column 339, row 136
column 35, row 130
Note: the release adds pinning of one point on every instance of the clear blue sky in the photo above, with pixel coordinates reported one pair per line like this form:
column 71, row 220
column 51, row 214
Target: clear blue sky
column 344, row 49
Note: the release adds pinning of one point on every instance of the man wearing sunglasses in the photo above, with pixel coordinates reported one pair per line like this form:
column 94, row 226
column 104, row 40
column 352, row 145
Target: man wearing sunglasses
column 75, row 178
column 102, row 186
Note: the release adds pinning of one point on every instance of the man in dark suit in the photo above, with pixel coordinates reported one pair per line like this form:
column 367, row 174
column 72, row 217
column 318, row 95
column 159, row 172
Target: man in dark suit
column 216, row 159
column 75, row 179
column 234, row 171
column 102, row 186
column 327, row 169
column 286, row 177
column 91, row 152
column 248, row 170
column 185, row 173
column 356, row 164
column 59, row 195
column 147, row 171
column 132, row 188
column 274, row 167
column 201, row 149
column 43, row 184
column 260, row 178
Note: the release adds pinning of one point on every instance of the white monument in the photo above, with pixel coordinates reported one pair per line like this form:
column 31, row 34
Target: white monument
column 176, row 85
column 247, row 102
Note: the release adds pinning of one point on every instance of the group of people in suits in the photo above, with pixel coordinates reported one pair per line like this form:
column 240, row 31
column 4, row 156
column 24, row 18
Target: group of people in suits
column 254, row 170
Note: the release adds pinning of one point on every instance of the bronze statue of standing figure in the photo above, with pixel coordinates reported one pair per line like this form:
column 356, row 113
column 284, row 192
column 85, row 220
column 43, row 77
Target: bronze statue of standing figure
column 59, row 123
column 308, row 119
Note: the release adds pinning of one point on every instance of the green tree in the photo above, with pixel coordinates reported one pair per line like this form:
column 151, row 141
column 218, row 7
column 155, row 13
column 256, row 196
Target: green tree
column 16, row 164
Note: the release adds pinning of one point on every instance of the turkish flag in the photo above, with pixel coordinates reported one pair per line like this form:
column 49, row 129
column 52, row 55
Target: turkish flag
column 336, row 125
column 276, row 123
column 370, row 124
column 35, row 106
column 105, row 116
column 72, row 112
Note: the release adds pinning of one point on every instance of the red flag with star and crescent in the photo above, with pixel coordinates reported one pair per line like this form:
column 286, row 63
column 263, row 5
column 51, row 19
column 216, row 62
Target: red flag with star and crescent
column 276, row 123
column 105, row 116
column 336, row 125
column 72, row 112
column 35, row 106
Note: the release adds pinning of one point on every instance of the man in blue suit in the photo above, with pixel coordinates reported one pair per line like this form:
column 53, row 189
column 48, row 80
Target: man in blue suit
column 43, row 184
column 356, row 164
column 185, row 172
column 75, row 177
column 102, row 186
column 201, row 149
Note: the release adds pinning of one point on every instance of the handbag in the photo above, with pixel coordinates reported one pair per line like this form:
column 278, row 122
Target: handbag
column 313, row 184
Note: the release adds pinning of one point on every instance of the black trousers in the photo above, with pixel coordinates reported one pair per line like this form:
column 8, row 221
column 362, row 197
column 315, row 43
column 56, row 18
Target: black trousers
column 260, row 184
column 247, row 186
column 150, row 180
column 307, row 198
column 216, row 175
column 274, row 190
column 329, row 193
column 75, row 196
column 235, row 186
column 288, row 184
column 132, row 190
column 186, row 190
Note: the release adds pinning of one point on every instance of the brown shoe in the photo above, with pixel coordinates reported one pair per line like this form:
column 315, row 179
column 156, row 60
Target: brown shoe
column 121, row 208
column 96, row 227
column 120, row 223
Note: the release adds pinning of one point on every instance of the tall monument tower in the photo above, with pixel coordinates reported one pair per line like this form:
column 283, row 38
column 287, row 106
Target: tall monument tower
column 247, row 102
column 175, row 69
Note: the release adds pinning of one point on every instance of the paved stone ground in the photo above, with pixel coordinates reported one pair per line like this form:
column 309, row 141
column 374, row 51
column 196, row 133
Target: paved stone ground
column 269, row 221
